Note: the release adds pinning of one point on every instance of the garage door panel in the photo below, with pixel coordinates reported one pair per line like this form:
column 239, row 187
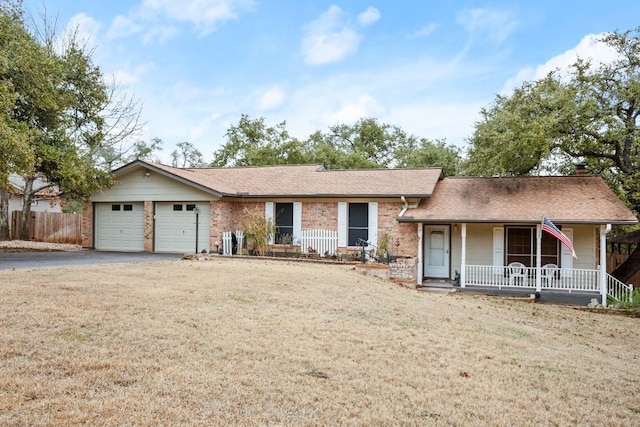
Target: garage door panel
column 119, row 226
column 175, row 227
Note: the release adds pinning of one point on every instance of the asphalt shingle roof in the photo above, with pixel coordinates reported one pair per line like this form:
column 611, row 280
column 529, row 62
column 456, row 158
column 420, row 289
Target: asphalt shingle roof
column 564, row 199
column 579, row 198
column 310, row 180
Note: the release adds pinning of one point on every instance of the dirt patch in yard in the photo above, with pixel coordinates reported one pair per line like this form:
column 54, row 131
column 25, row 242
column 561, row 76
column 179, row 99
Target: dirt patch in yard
column 256, row 342
column 26, row 245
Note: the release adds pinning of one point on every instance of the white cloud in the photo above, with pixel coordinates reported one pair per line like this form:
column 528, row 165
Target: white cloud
column 202, row 130
column 130, row 77
column 123, row 26
column 424, row 31
column 271, row 99
column 82, row 29
column 205, row 14
column 328, row 39
column 493, row 25
column 349, row 112
column 369, row 16
column 437, row 119
column 588, row 48
column 417, row 95
column 157, row 19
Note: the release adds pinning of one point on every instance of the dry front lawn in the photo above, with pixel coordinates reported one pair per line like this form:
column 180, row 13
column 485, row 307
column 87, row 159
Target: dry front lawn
column 252, row 342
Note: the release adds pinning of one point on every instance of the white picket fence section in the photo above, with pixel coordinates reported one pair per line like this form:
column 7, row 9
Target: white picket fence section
column 324, row 242
column 227, row 242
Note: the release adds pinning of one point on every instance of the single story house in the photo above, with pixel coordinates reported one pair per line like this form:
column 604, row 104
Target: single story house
column 466, row 229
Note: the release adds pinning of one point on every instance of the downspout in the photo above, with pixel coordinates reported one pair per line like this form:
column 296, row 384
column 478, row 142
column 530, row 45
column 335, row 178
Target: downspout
column 407, row 206
column 603, row 262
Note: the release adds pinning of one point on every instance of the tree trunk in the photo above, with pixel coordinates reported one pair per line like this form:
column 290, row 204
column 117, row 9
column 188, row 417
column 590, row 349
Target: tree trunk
column 629, row 268
column 27, row 197
column 4, row 214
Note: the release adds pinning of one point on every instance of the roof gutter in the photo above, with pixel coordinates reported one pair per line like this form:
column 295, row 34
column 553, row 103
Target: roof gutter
column 407, row 206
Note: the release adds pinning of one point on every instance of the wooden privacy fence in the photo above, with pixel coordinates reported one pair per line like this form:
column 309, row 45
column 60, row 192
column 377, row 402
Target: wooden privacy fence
column 51, row 227
column 614, row 260
column 324, row 242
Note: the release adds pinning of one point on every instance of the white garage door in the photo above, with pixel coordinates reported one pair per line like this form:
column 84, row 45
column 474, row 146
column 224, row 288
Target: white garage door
column 119, row 226
column 176, row 227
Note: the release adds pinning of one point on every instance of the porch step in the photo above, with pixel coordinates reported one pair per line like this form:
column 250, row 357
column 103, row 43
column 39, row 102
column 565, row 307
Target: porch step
column 437, row 283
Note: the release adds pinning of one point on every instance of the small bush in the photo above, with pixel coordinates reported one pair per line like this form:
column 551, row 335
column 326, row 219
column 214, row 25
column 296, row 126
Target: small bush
column 258, row 230
column 632, row 305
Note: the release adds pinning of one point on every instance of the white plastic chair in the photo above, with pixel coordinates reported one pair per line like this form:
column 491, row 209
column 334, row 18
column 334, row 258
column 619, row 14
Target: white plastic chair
column 549, row 273
column 517, row 271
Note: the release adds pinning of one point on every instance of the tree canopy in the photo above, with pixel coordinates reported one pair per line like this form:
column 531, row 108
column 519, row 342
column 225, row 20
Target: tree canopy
column 186, row 155
column 589, row 114
column 365, row 144
column 50, row 106
column 253, row 143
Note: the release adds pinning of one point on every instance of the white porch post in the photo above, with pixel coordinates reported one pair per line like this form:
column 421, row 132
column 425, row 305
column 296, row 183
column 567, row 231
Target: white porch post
column 463, row 255
column 420, row 273
column 604, row 229
column 538, row 261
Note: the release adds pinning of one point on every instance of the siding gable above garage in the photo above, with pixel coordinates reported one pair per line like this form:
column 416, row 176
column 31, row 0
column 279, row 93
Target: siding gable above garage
column 143, row 184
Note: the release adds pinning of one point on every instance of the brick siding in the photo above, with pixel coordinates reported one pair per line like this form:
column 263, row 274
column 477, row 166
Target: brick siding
column 87, row 225
column 227, row 215
column 148, row 226
column 323, row 215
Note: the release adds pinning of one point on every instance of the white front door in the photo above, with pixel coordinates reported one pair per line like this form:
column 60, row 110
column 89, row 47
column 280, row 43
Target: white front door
column 436, row 251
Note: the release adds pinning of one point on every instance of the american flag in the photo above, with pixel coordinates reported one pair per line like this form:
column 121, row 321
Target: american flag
column 550, row 228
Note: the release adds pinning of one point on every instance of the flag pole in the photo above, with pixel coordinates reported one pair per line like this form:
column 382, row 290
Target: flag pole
column 539, row 258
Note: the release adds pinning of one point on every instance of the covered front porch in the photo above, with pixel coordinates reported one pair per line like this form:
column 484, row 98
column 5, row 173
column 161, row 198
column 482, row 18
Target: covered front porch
column 514, row 256
column 477, row 229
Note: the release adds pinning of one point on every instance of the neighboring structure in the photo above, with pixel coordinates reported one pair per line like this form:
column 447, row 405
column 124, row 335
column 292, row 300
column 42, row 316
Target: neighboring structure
column 473, row 226
column 46, row 200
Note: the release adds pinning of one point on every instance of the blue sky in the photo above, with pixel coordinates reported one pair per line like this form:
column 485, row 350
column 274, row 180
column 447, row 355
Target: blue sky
column 426, row 66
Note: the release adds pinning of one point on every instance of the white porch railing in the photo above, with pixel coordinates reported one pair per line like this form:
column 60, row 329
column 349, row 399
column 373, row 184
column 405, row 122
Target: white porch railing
column 568, row 279
column 618, row 290
column 227, row 242
column 324, row 242
column 565, row 279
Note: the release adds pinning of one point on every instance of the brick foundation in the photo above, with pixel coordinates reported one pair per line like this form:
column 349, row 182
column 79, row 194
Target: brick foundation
column 403, row 269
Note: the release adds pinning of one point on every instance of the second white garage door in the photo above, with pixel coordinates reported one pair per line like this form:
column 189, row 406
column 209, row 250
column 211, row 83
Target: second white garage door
column 175, row 229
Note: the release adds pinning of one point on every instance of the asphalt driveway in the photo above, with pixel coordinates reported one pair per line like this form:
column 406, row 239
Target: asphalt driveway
column 36, row 259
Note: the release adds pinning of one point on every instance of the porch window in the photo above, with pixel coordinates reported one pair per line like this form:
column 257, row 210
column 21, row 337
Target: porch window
column 358, row 225
column 521, row 247
column 284, row 221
